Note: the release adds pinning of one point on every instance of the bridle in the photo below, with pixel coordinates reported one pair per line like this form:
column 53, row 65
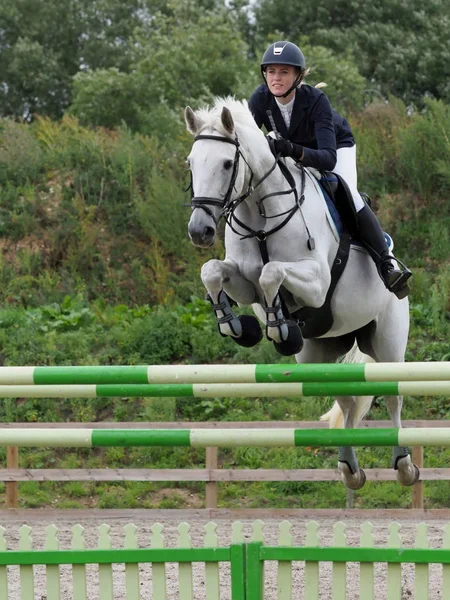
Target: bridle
column 205, row 201
column 229, row 204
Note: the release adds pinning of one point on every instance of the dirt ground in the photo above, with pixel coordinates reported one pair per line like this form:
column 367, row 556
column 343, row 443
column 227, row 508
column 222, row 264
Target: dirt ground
column 407, row 533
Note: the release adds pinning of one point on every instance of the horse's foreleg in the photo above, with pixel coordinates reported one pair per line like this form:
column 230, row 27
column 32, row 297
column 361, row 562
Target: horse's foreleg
column 224, row 283
column 303, row 280
column 407, row 472
column 306, row 279
column 352, row 476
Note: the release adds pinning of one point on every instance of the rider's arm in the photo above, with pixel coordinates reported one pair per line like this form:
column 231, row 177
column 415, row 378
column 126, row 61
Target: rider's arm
column 324, row 158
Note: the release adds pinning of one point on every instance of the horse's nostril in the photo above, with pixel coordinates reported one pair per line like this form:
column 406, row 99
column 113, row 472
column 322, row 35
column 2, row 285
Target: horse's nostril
column 208, row 233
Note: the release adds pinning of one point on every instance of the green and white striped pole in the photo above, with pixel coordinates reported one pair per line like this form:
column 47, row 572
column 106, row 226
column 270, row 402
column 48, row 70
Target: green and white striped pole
column 230, row 390
column 276, row 373
column 202, row 438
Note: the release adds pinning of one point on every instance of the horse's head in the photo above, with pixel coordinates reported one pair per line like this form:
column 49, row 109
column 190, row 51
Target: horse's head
column 216, row 177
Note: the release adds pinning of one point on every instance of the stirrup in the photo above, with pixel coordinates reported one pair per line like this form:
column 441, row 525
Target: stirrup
column 396, row 280
column 399, row 285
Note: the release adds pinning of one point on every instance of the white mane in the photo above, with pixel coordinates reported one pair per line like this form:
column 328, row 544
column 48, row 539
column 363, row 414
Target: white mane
column 240, row 112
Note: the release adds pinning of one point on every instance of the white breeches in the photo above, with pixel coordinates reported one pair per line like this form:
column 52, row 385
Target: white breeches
column 346, row 168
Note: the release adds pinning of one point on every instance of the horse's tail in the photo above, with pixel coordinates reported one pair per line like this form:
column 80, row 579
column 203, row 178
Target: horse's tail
column 335, row 416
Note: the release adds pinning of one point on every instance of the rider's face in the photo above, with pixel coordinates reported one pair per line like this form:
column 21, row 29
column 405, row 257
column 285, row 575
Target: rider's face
column 280, row 78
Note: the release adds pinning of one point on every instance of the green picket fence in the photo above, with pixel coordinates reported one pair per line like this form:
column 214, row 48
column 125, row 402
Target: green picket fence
column 246, row 564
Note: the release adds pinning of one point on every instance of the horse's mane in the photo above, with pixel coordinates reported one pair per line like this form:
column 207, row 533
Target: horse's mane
column 240, row 112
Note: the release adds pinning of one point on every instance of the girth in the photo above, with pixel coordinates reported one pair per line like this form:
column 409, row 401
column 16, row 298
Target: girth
column 315, row 322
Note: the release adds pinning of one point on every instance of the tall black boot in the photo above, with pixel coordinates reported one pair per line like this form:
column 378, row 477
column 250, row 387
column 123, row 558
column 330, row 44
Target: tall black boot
column 372, row 238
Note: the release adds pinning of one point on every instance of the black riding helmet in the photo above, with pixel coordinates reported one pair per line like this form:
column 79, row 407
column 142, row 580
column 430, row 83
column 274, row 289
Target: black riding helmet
column 284, row 53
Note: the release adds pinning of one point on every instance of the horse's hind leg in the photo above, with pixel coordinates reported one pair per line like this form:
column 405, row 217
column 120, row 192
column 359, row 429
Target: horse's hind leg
column 352, row 476
column 329, row 350
column 407, row 472
column 386, row 342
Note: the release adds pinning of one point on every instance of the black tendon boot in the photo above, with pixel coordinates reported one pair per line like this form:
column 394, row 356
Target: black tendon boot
column 372, row 238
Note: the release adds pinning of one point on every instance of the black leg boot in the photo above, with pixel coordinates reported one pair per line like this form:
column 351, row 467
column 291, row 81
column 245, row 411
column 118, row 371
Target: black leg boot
column 372, row 238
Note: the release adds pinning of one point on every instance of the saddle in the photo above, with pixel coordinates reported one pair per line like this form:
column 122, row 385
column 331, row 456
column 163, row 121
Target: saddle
column 315, row 322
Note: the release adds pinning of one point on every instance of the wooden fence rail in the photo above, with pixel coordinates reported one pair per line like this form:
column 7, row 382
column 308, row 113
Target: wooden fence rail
column 211, row 475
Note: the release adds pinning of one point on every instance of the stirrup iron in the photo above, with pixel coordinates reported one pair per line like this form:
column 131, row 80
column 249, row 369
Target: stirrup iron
column 399, row 283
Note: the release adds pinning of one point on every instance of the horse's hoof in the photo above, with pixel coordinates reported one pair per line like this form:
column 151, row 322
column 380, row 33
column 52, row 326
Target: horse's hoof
column 352, row 481
column 251, row 332
column 410, row 476
column 294, row 342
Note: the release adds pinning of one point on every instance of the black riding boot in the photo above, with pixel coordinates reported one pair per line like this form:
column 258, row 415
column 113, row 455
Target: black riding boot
column 372, row 238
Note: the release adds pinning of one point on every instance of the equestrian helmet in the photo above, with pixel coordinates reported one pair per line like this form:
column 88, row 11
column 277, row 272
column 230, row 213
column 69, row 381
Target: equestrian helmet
column 283, row 53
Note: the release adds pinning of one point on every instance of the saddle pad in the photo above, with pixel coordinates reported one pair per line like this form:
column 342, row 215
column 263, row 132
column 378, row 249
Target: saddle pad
column 335, row 217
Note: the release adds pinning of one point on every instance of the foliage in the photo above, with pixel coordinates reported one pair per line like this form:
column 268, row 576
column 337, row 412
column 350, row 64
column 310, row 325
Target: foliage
column 138, row 61
column 345, row 85
column 21, row 157
column 183, row 56
column 105, row 97
column 424, row 157
column 400, row 47
column 377, row 130
column 46, row 42
column 100, row 211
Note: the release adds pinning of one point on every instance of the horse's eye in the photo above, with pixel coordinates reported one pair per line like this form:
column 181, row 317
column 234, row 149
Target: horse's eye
column 228, row 164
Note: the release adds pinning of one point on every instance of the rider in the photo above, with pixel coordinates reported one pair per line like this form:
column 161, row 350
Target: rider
column 315, row 135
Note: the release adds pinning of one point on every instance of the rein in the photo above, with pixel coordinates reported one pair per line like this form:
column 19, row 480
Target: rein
column 229, row 205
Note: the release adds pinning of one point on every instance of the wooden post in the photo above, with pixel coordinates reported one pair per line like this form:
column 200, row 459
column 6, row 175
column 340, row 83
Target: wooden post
column 12, row 487
column 417, row 490
column 350, row 501
column 211, row 486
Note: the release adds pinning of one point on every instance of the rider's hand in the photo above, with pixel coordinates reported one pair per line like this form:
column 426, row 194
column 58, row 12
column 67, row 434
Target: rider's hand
column 283, row 147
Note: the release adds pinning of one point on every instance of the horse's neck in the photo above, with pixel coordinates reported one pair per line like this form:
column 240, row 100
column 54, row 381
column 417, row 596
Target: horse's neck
column 313, row 211
column 275, row 182
column 284, row 198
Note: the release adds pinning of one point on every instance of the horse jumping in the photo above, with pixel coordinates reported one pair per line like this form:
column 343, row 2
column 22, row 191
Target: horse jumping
column 281, row 245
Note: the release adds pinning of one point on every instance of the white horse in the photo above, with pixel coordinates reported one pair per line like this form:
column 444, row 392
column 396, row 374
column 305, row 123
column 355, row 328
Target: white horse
column 275, row 240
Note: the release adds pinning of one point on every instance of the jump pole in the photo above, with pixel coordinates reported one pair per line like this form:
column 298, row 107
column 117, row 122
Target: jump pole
column 202, row 438
column 230, row 390
column 275, row 373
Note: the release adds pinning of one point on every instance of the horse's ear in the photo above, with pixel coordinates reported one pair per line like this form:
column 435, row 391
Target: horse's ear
column 193, row 123
column 227, row 120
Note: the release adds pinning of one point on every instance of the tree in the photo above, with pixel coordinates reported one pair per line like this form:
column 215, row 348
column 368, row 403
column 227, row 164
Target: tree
column 346, row 87
column 44, row 43
column 401, row 46
column 186, row 55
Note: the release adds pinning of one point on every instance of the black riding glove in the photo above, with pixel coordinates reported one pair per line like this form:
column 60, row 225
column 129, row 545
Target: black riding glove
column 284, row 147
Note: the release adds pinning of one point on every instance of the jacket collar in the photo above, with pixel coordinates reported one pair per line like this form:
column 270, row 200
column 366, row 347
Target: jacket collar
column 278, row 118
column 301, row 101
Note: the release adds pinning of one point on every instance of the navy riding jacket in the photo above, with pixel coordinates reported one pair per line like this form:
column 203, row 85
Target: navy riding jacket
column 314, row 124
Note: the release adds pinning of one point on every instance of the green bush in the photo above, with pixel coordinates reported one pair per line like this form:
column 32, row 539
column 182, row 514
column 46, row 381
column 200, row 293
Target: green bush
column 21, row 157
column 157, row 339
column 424, row 154
column 377, row 130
